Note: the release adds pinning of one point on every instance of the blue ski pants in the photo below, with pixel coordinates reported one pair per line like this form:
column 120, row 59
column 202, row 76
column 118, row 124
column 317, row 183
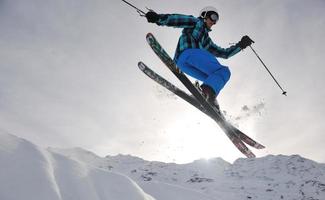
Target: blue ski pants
column 204, row 66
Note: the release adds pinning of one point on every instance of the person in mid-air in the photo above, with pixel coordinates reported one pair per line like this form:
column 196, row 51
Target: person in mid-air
column 196, row 53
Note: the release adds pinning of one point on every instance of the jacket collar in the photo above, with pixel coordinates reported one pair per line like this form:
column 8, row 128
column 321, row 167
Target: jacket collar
column 205, row 25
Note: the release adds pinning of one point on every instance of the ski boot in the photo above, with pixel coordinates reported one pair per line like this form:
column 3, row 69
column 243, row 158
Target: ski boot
column 209, row 94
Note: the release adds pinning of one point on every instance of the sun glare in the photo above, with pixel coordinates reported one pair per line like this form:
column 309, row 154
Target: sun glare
column 196, row 136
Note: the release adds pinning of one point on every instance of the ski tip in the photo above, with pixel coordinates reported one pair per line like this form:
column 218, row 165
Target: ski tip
column 259, row 146
column 149, row 35
column 141, row 65
column 243, row 148
column 150, row 38
column 250, row 154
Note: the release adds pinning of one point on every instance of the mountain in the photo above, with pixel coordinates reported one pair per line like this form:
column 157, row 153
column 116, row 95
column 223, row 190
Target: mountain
column 31, row 172
column 271, row 177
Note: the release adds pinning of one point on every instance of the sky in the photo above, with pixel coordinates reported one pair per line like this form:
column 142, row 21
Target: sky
column 69, row 78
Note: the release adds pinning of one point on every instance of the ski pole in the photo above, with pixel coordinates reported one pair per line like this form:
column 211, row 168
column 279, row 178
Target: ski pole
column 283, row 92
column 141, row 13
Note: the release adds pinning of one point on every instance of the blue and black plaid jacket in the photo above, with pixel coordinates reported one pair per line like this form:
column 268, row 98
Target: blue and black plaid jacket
column 194, row 35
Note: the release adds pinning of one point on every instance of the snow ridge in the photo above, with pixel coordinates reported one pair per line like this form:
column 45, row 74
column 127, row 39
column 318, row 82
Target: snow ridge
column 29, row 172
column 270, row 177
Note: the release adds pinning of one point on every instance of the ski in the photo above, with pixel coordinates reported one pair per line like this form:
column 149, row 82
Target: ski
column 190, row 99
column 215, row 114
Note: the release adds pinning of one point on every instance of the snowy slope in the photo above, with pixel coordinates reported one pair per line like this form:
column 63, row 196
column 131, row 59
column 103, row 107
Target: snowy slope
column 158, row 189
column 29, row 172
column 270, row 177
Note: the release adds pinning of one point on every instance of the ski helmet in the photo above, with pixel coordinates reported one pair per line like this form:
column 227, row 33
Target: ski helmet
column 209, row 12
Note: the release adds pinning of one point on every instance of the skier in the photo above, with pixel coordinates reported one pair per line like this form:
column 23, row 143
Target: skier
column 196, row 53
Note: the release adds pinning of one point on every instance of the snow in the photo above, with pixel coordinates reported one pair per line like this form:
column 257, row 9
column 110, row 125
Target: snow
column 164, row 191
column 31, row 172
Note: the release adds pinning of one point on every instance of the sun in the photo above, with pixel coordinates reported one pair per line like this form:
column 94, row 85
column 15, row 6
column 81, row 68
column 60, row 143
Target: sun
column 195, row 136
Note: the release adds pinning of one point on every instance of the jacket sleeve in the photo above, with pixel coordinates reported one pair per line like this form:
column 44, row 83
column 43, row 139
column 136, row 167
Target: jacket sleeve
column 177, row 20
column 222, row 52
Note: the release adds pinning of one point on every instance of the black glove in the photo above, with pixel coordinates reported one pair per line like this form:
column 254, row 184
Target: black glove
column 245, row 42
column 152, row 17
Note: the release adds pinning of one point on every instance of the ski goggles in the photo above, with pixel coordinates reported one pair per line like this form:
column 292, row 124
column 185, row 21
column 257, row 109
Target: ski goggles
column 211, row 15
column 214, row 17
